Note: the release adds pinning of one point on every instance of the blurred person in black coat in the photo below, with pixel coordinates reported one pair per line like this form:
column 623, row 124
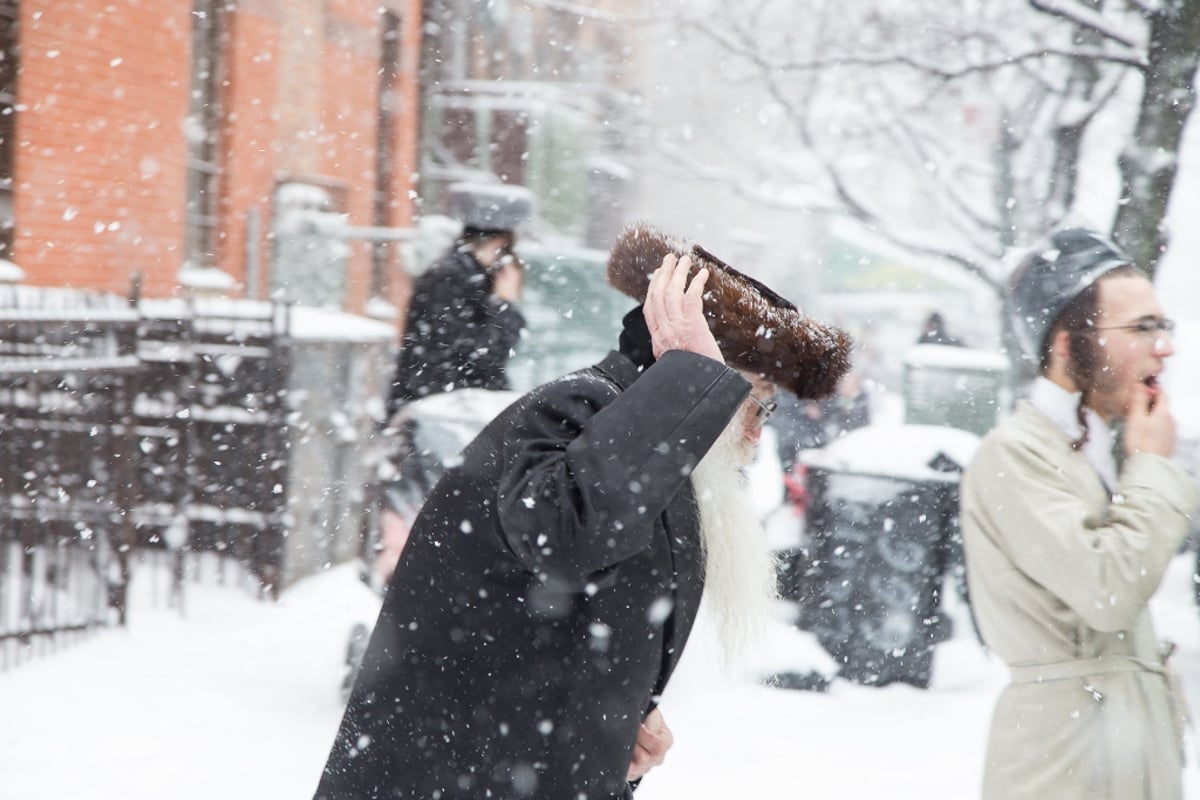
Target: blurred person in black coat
column 934, row 331
column 463, row 321
column 552, row 578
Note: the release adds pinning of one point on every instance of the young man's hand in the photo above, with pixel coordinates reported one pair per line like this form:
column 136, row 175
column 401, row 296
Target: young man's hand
column 1149, row 426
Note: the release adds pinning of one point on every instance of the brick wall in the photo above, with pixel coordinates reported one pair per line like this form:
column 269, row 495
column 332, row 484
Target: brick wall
column 99, row 180
column 249, row 143
column 404, row 155
column 100, row 187
column 348, row 133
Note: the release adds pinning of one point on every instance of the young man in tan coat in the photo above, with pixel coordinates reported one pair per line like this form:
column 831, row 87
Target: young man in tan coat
column 1064, row 546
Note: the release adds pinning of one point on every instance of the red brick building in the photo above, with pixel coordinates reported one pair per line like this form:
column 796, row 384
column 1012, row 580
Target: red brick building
column 160, row 137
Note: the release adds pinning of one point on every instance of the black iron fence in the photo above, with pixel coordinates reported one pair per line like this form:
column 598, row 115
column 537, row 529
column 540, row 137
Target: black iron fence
column 212, row 431
column 132, row 425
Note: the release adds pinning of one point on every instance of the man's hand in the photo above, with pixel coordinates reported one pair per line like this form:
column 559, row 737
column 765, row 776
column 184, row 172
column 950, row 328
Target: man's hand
column 653, row 740
column 675, row 311
column 1149, row 426
column 507, row 281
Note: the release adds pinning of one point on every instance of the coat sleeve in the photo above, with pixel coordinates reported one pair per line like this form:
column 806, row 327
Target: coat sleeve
column 427, row 356
column 1104, row 566
column 501, row 328
column 590, row 470
column 456, row 333
column 454, row 312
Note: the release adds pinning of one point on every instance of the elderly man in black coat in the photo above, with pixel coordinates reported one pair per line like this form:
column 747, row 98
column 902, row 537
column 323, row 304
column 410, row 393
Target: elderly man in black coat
column 552, row 577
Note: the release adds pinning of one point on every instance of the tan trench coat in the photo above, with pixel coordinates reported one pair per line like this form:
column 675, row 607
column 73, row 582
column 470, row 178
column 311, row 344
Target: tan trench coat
column 1059, row 574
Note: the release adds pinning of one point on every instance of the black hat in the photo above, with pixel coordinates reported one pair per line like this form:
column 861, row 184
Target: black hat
column 489, row 206
column 1050, row 277
column 756, row 329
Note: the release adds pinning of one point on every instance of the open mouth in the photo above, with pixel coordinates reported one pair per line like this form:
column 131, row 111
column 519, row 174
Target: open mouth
column 1151, row 383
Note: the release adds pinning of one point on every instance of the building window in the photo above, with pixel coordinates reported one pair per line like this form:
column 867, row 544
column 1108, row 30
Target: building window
column 10, row 67
column 388, row 115
column 203, row 132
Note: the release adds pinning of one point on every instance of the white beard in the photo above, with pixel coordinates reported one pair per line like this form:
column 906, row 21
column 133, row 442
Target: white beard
column 739, row 569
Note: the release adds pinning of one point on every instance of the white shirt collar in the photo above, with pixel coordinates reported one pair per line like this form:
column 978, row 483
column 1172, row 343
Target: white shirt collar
column 1060, row 406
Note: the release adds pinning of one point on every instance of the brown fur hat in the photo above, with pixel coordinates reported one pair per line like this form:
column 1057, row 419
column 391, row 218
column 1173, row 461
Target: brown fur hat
column 756, row 329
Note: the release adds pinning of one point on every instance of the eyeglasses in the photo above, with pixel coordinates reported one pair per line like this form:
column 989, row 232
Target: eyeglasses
column 765, row 409
column 1150, row 326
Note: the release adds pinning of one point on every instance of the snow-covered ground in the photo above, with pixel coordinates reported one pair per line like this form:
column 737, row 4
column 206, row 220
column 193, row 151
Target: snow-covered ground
column 239, row 699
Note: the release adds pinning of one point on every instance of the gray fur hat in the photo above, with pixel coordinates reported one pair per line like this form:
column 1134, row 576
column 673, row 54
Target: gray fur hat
column 489, row 206
column 756, row 329
column 1051, row 276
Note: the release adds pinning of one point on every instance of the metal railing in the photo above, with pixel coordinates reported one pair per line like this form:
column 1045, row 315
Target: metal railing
column 128, row 425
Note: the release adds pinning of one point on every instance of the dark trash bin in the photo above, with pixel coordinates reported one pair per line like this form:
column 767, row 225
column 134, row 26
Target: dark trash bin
column 882, row 536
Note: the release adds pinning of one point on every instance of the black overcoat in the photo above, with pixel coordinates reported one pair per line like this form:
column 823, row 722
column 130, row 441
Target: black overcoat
column 457, row 334
column 544, row 596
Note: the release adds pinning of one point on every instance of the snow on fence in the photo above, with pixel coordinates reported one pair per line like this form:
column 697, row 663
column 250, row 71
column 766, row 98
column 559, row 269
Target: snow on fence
column 129, row 426
column 212, row 431
column 67, row 364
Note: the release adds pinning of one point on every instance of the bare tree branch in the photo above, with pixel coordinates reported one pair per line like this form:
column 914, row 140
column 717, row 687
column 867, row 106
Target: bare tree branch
column 848, row 201
column 734, row 181
column 746, row 47
column 1142, row 7
column 981, row 116
column 596, row 15
column 980, row 67
column 1088, row 18
column 729, row 180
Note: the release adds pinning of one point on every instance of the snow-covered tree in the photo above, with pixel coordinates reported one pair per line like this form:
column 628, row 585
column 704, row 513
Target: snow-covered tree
column 958, row 129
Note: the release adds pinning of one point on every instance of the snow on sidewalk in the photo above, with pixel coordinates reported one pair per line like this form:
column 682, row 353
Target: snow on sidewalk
column 239, row 700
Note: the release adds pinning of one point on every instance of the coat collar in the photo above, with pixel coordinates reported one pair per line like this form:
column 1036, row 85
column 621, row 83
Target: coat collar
column 1061, row 407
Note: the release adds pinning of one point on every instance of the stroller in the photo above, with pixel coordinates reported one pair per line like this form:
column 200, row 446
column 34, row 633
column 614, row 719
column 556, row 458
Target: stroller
column 408, row 456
